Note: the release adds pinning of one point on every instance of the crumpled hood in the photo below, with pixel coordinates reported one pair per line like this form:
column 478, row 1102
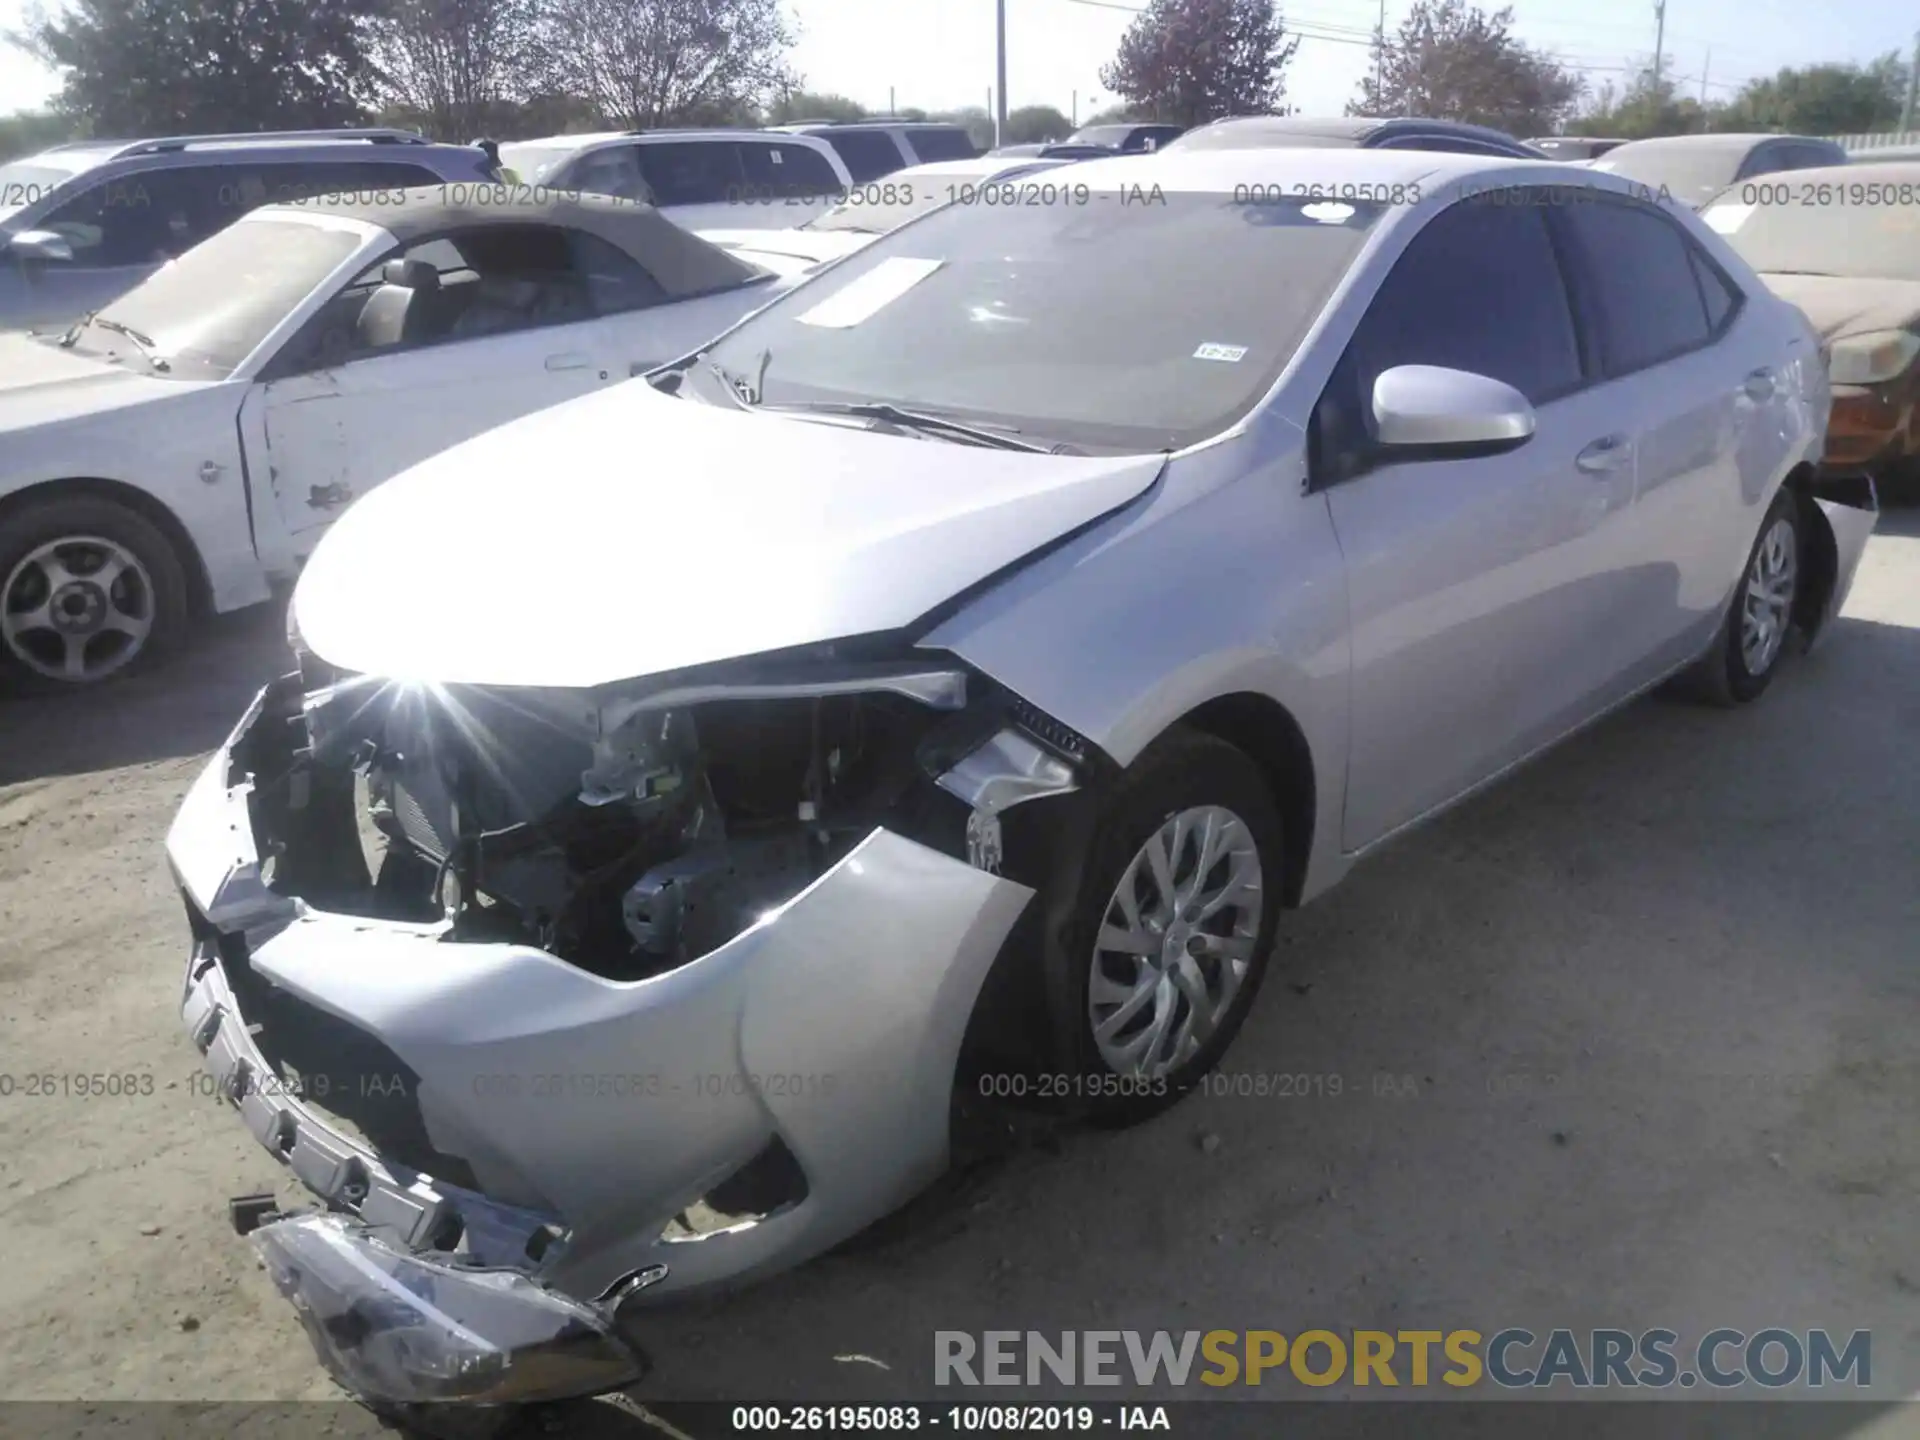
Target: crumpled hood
column 41, row 384
column 629, row 533
column 1838, row 306
column 816, row 247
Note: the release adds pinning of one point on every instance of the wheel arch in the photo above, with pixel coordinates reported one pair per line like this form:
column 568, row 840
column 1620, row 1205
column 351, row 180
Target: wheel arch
column 1266, row 732
column 192, row 564
column 1819, row 552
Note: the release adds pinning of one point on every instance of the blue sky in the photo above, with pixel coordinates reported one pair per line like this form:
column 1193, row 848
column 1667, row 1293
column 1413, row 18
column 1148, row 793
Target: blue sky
column 940, row 53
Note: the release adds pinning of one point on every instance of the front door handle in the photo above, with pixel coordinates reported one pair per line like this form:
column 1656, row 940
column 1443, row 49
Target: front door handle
column 1760, row 385
column 1604, row 455
column 568, row 362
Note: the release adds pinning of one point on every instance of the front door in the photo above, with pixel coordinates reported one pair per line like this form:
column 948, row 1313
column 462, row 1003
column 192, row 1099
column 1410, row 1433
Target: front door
column 1473, row 583
column 460, row 334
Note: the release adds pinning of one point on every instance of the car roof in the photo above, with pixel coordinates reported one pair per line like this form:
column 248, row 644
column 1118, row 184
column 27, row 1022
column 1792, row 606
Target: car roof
column 644, row 137
column 85, row 154
column 988, row 164
column 1231, row 171
column 1357, row 128
column 1729, row 144
column 681, row 261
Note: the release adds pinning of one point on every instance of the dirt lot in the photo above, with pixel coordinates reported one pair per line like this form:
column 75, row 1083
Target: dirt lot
column 1648, row 1012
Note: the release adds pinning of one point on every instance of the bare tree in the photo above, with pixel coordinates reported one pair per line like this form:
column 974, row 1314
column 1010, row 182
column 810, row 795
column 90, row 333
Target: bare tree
column 452, row 62
column 642, row 63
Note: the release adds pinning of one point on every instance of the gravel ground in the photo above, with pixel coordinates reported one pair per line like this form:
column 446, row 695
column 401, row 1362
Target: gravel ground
column 1647, row 1012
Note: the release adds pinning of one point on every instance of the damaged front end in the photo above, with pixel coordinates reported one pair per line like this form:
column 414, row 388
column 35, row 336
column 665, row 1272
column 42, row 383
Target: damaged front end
column 565, row 1002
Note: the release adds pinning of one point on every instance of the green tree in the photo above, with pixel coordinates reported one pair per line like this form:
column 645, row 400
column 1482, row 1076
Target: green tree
column 157, row 67
column 26, row 132
column 1822, row 100
column 1190, row 61
column 974, row 119
column 1032, row 123
column 1450, row 60
column 1643, row 110
column 801, row 105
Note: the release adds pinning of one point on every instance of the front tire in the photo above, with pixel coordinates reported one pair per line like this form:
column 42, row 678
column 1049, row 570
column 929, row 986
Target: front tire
column 1753, row 637
column 89, row 591
column 1169, row 934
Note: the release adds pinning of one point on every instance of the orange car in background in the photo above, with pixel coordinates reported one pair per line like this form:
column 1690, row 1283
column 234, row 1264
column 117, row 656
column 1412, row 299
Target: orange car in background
column 1843, row 244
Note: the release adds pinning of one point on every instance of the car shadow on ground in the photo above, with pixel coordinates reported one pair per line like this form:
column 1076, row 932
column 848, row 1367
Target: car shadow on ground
column 185, row 706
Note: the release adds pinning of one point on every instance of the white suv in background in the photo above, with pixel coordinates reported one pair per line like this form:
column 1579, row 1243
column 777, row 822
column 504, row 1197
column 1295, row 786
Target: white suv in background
column 736, row 179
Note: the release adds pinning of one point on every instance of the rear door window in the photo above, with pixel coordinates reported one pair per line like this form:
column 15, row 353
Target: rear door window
column 1639, row 277
column 867, row 154
column 693, row 172
column 781, row 170
column 944, row 142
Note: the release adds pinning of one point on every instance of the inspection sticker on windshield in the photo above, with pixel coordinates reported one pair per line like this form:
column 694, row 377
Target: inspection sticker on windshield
column 1727, row 218
column 871, row 293
column 1229, row 353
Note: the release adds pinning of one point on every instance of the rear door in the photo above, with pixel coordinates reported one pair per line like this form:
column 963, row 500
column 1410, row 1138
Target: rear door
column 1471, row 582
column 702, row 184
column 355, row 398
column 1677, row 347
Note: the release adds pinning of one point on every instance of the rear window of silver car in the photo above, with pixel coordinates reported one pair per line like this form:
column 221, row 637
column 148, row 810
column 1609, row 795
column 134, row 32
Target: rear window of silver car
column 1086, row 323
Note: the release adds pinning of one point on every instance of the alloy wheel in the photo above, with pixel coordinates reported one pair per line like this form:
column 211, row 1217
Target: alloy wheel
column 77, row 609
column 1766, row 611
column 1176, row 941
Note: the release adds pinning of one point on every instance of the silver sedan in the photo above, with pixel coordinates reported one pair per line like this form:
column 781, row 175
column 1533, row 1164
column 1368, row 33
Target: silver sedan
column 938, row 688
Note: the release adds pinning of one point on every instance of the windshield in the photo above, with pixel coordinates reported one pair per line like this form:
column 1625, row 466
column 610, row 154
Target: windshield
column 533, row 164
column 1110, row 135
column 1689, row 174
column 1854, row 232
column 1086, row 324
column 882, row 205
column 208, row 310
column 27, row 182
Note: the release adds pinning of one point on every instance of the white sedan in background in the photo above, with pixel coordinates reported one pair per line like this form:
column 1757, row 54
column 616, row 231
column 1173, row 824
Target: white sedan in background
column 871, row 210
column 180, row 449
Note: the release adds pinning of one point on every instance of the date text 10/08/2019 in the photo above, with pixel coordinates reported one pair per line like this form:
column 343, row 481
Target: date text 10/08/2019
column 959, row 1419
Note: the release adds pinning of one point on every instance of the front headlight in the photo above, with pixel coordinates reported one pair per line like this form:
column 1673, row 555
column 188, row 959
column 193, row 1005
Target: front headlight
column 294, row 643
column 1872, row 358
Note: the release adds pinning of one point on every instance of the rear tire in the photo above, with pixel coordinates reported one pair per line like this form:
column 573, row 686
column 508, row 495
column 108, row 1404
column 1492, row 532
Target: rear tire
column 1752, row 639
column 1149, row 988
column 90, row 591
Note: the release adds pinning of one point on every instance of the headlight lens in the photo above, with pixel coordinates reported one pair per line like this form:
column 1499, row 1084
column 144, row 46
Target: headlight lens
column 1872, row 358
column 294, row 642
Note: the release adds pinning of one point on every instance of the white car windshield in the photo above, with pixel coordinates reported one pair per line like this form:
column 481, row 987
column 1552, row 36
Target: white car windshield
column 207, row 311
column 1082, row 324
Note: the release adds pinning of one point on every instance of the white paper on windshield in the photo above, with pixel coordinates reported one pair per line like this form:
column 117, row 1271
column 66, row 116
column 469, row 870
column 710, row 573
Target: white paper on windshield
column 871, row 293
column 1727, row 218
column 1232, row 354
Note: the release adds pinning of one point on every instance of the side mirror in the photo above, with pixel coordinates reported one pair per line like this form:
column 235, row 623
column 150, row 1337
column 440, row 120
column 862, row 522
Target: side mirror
column 1449, row 414
column 43, row 245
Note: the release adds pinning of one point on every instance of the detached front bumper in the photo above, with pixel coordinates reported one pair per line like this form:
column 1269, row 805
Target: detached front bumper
column 588, row 1116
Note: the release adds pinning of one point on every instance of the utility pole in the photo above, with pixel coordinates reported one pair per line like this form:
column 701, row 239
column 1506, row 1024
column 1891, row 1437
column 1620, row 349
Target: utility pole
column 1659, row 43
column 1380, row 51
column 1705, row 65
column 1076, row 109
column 1913, row 84
column 892, row 109
column 1000, row 77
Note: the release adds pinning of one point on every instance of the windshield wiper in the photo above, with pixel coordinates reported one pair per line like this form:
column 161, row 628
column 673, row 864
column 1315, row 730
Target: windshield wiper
column 742, row 395
column 96, row 318
column 1822, row 274
column 924, row 421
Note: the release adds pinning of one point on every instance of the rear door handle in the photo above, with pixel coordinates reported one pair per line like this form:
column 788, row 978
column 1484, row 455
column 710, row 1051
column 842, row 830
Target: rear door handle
column 1604, row 455
column 1760, row 385
column 568, row 362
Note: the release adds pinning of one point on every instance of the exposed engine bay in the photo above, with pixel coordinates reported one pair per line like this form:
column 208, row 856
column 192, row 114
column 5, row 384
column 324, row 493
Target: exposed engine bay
column 625, row 831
